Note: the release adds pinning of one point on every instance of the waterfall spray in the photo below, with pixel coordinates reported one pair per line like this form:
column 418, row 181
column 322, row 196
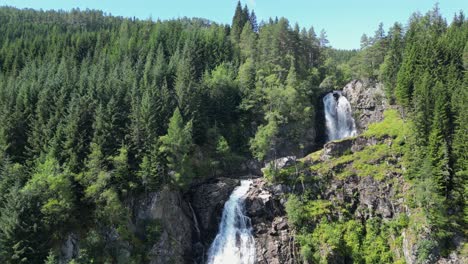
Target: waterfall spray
column 234, row 242
column 338, row 116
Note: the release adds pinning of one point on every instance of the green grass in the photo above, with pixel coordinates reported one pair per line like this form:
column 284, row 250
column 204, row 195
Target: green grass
column 391, row 126
column 376, row 161
column 312, row 157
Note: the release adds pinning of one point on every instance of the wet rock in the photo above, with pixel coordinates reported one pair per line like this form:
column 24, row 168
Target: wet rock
column 208, row 201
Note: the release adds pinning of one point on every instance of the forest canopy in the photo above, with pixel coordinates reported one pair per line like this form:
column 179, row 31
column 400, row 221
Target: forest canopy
column 95, row 109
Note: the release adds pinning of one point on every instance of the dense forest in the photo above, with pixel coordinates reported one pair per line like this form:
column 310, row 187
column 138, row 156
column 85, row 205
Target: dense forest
column 96, row 109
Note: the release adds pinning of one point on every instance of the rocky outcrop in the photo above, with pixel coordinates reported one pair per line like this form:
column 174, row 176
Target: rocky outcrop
column 280, row 163
column 274, row 239
column 410, row 249
column 168, row 208
column 367, row 101
column 69, row 249
column 336, row 148
column 364, row 195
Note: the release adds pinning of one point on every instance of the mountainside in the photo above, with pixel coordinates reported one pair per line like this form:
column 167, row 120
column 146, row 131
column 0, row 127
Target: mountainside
column 349, row 202
column 122, row 140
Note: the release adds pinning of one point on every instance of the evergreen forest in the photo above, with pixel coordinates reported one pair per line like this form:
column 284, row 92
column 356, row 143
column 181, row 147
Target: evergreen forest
column 96, row 110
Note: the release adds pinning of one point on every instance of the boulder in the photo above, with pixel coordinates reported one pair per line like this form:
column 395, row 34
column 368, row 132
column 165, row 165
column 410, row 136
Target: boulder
column 336, row 148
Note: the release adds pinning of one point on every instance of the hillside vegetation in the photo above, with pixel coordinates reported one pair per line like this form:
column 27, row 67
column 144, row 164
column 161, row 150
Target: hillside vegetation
column 96, row 110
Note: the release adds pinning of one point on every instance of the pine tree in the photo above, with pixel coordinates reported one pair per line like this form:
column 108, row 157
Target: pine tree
column 323, row 40
column 23, row 238
column 77, row 133
column 176, row 146
column 379, row 33
column 238, row 21
column 364, row 41
column 439, row 151
column 121, row 174
column 253, row 21
column 389, row 68
column 460, row 151
column 423, row 108
column 151, row 171
column 94, row 165
column 248, row 42
column 405, row 81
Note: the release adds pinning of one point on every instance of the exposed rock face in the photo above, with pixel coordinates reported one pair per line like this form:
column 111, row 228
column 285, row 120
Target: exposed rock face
column 280, row 163
column 366, row 196
column 171, row 210
column 457, row 256
column 69, row 249
column 367, row 101
column 336, row 148
column 207, row 201
column 454, row 258
column 274, row 240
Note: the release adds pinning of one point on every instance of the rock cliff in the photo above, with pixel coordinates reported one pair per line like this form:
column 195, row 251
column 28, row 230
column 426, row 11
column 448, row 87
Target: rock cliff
column 207, row 201
column 167, row 207
column 367, row 101
column 367, row 193
column 274, row 239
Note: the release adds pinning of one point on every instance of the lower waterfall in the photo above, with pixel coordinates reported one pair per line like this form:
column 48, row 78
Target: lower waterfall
column 234, row 242
column 338, row 116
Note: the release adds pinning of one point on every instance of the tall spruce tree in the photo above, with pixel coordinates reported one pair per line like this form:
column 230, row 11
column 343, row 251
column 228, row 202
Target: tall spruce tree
column 176, row 146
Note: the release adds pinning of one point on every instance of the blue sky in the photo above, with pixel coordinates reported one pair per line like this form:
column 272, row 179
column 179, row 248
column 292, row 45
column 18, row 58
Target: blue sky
column 345, row 21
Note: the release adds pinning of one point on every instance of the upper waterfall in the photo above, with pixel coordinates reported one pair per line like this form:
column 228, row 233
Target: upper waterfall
column 338, row 116
column 234, row 242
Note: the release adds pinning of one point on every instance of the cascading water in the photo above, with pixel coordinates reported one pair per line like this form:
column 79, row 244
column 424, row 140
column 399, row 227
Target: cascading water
column 338, row 116
column 234, row 242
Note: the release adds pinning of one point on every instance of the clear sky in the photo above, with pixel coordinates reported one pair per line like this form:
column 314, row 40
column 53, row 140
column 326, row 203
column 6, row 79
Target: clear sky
column 345, row 21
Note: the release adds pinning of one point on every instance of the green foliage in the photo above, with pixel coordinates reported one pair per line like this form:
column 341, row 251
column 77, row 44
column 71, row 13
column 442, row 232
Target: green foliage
column 176, row 145
column 392, row 126
column 389, row 68
column 351, row 240
column 264, row 140
column 95, row 109
column 295, row 210
column 52, row 187
column 153, row 232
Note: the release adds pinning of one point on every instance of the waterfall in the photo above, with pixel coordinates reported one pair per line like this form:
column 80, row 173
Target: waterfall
column 234, row 242
column 338, row 116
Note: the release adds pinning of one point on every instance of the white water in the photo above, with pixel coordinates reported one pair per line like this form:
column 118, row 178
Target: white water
column 234, row 242
column 338, row 116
